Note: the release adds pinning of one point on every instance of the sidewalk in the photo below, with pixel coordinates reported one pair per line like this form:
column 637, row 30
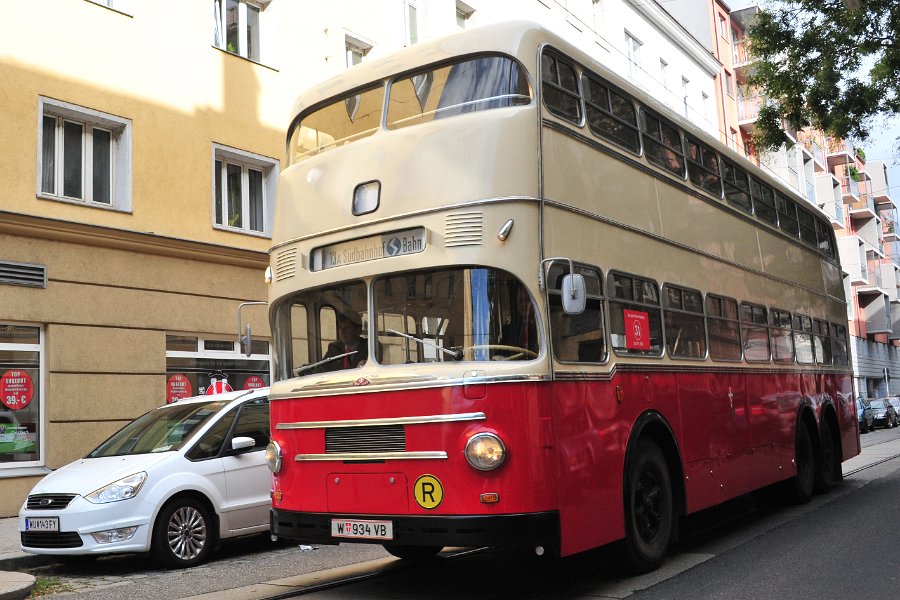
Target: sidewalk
column 14, row 585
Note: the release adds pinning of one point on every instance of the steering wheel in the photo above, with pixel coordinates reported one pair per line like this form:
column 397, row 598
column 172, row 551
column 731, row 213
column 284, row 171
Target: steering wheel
column 518, row 351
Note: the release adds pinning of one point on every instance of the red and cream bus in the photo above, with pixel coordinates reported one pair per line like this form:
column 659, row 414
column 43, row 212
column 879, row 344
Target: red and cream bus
column 515, row 301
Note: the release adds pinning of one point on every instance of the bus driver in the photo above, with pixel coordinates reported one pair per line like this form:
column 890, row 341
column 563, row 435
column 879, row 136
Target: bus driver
column 349, row 343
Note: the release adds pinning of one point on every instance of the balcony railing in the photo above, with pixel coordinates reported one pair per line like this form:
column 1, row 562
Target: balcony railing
column 849, row 186
column 810, row 192
column 748, row 107
column 835, row 211
column 838, row 146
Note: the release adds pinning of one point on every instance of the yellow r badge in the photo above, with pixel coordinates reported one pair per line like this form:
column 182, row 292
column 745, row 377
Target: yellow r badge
column 428, row 492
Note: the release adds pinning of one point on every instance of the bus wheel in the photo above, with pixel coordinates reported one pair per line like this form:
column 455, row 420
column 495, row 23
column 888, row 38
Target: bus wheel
column 412, row 552
column 649, row 509
column 799, row 488
column 828, row 471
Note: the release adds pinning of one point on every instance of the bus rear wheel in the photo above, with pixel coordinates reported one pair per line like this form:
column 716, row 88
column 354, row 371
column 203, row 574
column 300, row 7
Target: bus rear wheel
column 649, row 509
column 799, row 488
column 412, row 552
column 828, row 471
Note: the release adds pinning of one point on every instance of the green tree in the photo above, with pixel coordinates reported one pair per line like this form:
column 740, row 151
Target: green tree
column 831, row 64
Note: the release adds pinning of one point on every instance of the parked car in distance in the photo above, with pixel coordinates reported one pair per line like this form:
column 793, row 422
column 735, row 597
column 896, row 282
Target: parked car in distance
column 172, row 482
column 864, row 415
column 883, row 413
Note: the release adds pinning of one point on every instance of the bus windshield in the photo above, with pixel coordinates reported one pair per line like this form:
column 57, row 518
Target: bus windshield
column 469, row 85
column 429, row 315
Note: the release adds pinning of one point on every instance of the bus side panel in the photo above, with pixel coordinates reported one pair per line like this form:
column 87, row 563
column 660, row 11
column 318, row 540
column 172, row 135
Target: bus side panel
column 590, row 440
column 774, row 398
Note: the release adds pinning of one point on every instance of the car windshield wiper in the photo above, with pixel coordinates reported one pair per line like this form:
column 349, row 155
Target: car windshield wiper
column 455, row 354
column 299, row 370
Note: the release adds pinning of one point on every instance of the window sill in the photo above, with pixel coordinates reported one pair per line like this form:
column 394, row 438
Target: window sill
column 258, row 234
column 249, row 60
column 9, row 472
column 83, row 203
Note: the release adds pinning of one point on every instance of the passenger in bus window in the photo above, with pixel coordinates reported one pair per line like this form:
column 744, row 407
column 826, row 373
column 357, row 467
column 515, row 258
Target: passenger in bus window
column 350, row 344
column 521, row 331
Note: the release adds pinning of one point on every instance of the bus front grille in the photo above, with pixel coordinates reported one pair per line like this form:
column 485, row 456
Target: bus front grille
column 382, row 438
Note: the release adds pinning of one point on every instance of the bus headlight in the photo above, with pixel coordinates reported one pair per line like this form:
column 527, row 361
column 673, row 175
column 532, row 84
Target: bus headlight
column 273, row 456
column 485, row 451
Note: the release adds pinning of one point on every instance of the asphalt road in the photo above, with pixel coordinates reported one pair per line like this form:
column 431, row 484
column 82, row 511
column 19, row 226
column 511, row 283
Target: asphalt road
column 842, row 545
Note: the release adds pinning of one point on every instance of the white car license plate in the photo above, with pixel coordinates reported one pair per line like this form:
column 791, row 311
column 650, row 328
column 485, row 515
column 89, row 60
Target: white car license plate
column 359, row 529
column 42, row 524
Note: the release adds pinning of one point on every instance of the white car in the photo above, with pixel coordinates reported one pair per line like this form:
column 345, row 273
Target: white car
column 173, row 482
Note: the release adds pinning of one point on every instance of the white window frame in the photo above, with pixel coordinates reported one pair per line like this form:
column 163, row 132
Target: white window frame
column 269, row 167
column 353, row 45
column 19, row 466
column 464, row 14
column 120, row 169
column 220, row 35
column 633, row 52
column 410, row 36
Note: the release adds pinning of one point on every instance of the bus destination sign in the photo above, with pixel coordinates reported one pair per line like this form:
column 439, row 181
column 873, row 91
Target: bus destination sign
column 396, row 243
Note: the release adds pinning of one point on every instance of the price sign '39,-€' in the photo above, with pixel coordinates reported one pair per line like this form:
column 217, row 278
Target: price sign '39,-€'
column 16, row 389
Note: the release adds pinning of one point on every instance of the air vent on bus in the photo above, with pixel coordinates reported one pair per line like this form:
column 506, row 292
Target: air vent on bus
column 285, row 264
column 380, row 438
column 12, row 273
column 463, row 229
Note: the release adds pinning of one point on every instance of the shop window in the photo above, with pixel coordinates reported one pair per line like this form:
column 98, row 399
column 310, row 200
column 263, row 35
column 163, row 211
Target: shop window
column 21, row 400
column 192, row 365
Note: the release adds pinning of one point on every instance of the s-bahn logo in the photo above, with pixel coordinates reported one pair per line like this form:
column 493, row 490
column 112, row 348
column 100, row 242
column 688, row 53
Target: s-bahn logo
column 428, row 492
column 393, row 247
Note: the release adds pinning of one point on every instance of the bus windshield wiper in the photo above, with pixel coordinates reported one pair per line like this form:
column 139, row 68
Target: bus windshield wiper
column 299, row 370
column 455, row 354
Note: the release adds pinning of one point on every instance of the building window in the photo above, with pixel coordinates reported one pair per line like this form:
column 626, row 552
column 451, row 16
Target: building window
column 237, row 27
column 356, row 49
column 723, row 27
column 463, row 14
column 244, row 186
column 193, row 363
column 633, row 51
column 412, row 23
column 85, row 156
column 21, row 397
column 728, row 84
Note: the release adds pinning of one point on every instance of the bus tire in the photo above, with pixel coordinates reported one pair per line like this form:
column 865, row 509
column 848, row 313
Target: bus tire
column 412, row 552
column 828, row 469
column 649, row 509
column 799, row 488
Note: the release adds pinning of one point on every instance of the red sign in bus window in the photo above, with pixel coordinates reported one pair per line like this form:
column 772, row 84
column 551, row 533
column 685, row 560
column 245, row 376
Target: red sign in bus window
column 637, row 330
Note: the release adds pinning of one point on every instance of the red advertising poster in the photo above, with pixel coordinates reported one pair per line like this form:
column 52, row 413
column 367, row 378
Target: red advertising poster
column 178, row 387
column 254, row 382
column 16, row 389
column 637, row 330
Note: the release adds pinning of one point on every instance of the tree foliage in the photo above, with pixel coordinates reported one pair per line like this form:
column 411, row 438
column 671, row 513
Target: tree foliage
column 823, row 64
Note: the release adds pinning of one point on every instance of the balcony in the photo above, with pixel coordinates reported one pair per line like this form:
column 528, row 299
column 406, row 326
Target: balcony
column 814, row 147
column 864, row 208
column 748, row 110
column 835, row 212
column 850, row 189
column 839, row 152
column 890, row 278
column 878, row 325
column 811, row 192
column 889, row 226
column 740, row 54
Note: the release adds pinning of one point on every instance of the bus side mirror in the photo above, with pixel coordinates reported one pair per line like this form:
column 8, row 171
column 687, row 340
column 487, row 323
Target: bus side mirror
column 573, row 294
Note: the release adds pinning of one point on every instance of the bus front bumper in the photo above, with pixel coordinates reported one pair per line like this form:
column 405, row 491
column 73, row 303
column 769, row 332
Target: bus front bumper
column 516, row 530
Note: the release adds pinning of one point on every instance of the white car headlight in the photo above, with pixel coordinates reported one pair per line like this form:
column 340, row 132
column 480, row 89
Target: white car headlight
column 485, row 451
column 123, row 489
column 273, row 456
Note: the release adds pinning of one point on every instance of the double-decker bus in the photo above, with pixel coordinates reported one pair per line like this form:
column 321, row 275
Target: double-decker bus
column 517, row 302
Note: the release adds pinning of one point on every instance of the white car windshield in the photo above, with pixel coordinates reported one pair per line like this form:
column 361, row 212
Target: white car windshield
column 161, row 430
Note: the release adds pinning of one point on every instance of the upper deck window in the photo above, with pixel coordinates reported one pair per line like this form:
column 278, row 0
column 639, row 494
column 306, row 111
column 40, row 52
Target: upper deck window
column 560, row 87
column 737, row 188
column 344, row 120
column 468, row 86
column 610, row 114
column 703, row 167
column 662, row 143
